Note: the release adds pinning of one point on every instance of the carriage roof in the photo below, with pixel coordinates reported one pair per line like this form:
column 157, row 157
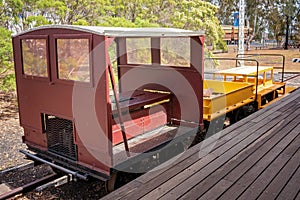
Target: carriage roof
column 122, row 32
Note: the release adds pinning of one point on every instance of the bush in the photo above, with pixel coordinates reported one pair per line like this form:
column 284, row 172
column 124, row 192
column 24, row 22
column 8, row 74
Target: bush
column 7, row 78
column 8, row 83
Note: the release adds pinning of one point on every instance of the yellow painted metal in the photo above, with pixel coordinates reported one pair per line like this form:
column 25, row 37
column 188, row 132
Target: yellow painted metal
column 228, row 96
column 247, row 74
column 245, row 70
column 225, row 97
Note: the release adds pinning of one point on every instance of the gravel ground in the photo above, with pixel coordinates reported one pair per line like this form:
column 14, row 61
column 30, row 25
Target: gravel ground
column 10, row 133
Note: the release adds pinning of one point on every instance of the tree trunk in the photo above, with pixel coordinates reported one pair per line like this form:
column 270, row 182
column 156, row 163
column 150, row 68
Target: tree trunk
column 287, row 33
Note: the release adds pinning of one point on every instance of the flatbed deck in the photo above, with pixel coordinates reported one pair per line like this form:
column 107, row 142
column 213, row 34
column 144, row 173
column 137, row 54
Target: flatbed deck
column 225, row 97
column 255, row 158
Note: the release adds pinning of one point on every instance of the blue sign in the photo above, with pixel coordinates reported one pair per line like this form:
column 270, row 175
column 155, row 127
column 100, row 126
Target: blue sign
column 236, row 19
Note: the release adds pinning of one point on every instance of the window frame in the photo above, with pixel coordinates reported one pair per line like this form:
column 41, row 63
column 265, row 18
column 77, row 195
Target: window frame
column 177, row 66
column 34, row 77
column 127, row 52
column 153, row 64
column 56, row 78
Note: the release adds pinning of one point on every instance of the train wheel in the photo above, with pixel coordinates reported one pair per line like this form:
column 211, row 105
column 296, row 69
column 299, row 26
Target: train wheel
column 276, row 94
column 215, row 126
column 110, row 185
column 270, row 97
column 118, row 179
column 239, row 114
column 263, row 100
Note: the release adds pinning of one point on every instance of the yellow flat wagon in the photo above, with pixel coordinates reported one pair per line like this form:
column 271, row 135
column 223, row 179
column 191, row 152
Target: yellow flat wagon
column 267, row 89
column 221, row 97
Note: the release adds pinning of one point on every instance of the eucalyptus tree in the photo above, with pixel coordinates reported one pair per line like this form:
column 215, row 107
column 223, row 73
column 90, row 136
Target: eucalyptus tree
column 185, row 14
column 277, row 16
column 20, row 15
column 290, row 10
column 196, row 15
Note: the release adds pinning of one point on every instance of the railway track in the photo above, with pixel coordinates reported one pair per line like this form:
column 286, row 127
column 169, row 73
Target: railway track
column 293, row 80
column 40, row 182
column 23, row 179
column 27, row 187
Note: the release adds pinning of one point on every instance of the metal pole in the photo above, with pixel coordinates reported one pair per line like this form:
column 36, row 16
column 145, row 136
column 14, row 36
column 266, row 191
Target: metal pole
column 241, row 28
column 74, row 173
column 112, row 79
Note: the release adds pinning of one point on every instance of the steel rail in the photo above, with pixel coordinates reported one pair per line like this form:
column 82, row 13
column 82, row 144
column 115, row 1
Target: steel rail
column 28, row 186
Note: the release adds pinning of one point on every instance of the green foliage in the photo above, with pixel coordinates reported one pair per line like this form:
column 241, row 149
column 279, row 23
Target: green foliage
column 186, row 14
column 36, row 21
column 7, row 80
column 122, row 22
column 8, row 83
column 20, row 15
column 144, row 23
column 197, row 14
column 116, row 21
column 81, row 22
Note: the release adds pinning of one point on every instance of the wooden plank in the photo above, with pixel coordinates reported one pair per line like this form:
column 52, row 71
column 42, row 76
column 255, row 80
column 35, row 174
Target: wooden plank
column 298, row 196
column 215, row 141
column 147, row 176
column 289, row 191
column 288, row 98
column 270, row 113
column 282, row 106
column 148, row 180
column 258, row 186
column 279, row 182
column 233, row 127
column 188, row 178
column 279, row 106
column 253, row 172
column 254, row 151
column 286, row 106
column 250, row 150
column 186, row 156
column 216, row 152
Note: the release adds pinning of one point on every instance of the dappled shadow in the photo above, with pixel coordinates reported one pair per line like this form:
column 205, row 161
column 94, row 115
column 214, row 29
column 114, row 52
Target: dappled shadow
column 8, row 106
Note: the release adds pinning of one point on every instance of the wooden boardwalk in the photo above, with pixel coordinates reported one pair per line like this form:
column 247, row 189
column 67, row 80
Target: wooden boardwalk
column 256, row 158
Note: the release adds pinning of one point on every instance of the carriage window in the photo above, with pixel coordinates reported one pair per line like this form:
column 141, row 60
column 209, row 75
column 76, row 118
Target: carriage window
column 138, row 50
column 112, row 52
column 73, row 59
column 34, row 55
column 175, row 52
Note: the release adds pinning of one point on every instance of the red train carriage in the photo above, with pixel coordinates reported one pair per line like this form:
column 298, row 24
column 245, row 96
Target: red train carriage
column 96, row 99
